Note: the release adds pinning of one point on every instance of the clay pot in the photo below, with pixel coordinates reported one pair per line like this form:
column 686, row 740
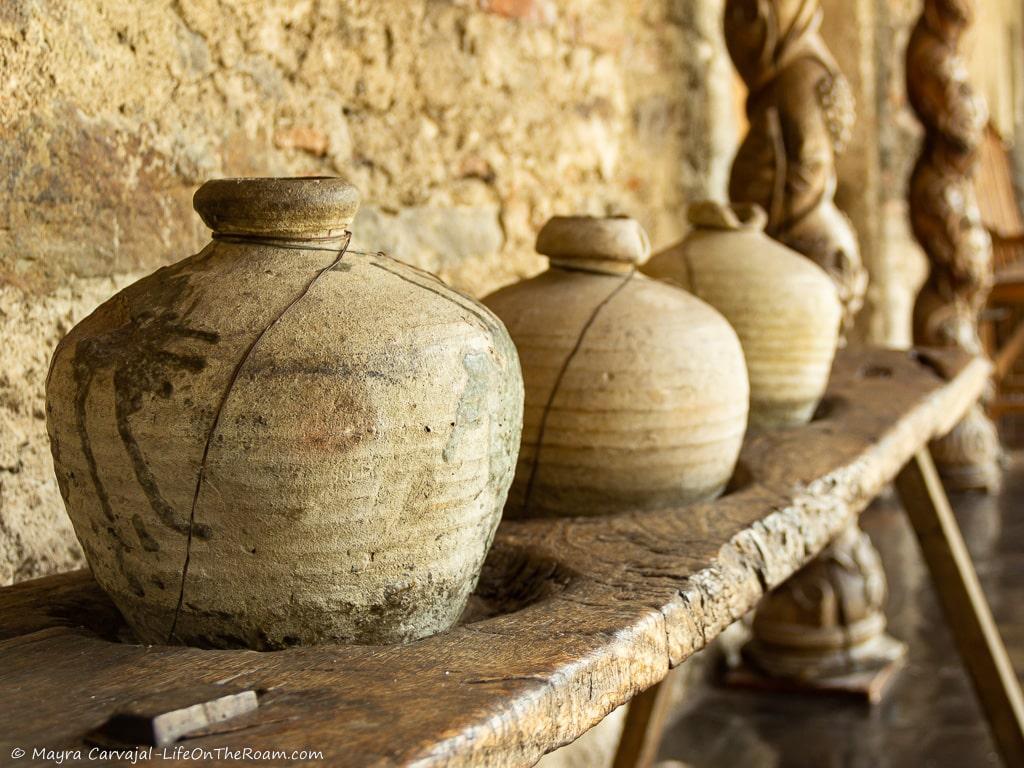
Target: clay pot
column 280, row 441
column 783, row 306
column 636, row 392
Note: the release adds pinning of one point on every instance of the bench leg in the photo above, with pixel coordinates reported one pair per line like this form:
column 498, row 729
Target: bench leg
column 967, row 612
column 642, row 731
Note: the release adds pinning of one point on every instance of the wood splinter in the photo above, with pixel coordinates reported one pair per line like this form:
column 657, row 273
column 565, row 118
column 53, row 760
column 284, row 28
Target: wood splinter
column 164, row 718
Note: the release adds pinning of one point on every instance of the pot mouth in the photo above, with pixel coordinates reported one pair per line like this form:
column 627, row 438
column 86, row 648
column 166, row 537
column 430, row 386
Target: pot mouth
column 613, row 244
column 733, row 217
column 299, row 207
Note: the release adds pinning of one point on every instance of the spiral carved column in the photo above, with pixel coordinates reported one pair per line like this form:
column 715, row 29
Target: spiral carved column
column 945, row 219
column 826, row 621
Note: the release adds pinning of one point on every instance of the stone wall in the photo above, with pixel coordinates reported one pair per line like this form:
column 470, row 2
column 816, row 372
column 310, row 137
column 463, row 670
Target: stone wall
column 849, row 31
column 869, row 41
column 898, row 267
column 466, row 123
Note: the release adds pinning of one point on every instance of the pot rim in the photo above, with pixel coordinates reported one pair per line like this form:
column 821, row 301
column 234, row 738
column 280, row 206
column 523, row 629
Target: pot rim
column 289, row 207
column 594, row 243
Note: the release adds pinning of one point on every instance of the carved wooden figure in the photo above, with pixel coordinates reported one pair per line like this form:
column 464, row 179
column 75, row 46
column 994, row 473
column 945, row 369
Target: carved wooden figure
column 945, row 220
column 801, row 113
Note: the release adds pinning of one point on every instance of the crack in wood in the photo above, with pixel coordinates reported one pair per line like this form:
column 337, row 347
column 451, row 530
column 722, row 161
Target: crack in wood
column 507, row 679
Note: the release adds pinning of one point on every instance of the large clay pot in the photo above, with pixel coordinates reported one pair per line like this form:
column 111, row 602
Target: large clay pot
column 636, row 392
column 280, row 441
column 783, row 306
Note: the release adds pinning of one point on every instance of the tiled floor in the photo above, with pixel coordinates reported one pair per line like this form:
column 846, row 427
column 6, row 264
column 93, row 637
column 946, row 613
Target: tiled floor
column 930, row 717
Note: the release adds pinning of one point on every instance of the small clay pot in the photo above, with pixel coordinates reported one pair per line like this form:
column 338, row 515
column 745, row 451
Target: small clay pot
column 281, row 441
column 783, row 306
column 636, row 392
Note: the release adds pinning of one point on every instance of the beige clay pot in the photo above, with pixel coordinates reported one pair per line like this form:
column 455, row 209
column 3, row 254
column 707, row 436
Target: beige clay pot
column 784, row 307
column 636, row 392
column 280, row 441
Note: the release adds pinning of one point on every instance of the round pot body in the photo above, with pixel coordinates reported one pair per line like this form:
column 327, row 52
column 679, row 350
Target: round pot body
column 784, row 307
column 280, row 441
column 636, row 392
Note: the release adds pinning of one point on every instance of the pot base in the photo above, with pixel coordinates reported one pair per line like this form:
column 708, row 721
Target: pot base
column 296, row 625
column 768, row 415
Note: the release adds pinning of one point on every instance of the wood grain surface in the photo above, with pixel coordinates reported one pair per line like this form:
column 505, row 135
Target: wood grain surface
column 572, row 618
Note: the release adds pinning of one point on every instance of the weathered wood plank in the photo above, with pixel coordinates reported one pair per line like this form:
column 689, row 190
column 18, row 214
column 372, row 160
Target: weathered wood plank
column 573, row 618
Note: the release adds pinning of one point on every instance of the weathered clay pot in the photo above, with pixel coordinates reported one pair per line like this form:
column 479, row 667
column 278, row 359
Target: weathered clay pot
column 784, row 307
column 636, row 392
column 281, row 441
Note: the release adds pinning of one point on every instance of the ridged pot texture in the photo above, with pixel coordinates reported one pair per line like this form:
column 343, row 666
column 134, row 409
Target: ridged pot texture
column 281, row 441
column 784, row 307
column 636, row 392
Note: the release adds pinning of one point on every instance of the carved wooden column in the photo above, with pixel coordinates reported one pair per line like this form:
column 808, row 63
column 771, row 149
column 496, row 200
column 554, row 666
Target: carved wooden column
column 827, row 621
column 801, row 111
column 944, row 216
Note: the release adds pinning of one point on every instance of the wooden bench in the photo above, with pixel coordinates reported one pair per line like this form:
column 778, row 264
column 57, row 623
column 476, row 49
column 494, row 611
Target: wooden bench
column 573, row 617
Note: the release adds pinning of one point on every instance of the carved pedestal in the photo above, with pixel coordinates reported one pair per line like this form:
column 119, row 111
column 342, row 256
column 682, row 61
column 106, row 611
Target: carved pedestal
column 945, row 219
column 827, row 620
column 968, row 457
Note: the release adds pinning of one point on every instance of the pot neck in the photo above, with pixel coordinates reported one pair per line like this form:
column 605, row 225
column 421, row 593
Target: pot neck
column 593, row 266
column 734, row 217
column 332, row 243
